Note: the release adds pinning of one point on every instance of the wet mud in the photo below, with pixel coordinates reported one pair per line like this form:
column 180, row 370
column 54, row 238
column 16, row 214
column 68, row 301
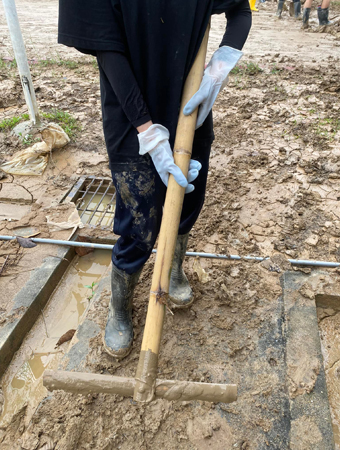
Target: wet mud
column 273, row 189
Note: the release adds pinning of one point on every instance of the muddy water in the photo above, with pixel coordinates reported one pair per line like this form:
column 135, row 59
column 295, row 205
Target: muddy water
column 329, row 325
column 105, row 209
column 22, row 383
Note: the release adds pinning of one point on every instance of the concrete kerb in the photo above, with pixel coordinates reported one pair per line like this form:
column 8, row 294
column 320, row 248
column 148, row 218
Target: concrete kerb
column 29, row 302
column 305, row 374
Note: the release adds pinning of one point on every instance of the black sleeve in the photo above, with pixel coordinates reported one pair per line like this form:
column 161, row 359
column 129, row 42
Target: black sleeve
column 238, row 26
column 123, row 82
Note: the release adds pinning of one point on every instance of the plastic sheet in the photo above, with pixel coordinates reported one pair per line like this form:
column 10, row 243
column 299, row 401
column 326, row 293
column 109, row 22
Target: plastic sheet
column 203, row 277
column 69, row 218
column 33, row 160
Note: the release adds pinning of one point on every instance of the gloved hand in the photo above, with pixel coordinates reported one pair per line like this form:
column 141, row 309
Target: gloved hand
column 155, row 141
column 214, row 80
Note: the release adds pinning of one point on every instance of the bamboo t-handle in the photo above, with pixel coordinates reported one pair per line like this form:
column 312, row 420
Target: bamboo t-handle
column 148, row 360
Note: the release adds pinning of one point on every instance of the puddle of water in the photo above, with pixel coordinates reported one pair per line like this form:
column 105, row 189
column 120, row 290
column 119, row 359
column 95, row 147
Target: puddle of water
column 22, row 383
column 330, row 344
column 31, row 370
column 105, row 209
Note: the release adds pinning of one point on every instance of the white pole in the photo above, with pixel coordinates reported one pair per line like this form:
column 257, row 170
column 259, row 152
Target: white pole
column 21, row 59
column 295, row 262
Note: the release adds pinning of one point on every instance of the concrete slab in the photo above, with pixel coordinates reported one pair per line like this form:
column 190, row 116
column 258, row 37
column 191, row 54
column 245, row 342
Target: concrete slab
column 15, row 193
column 9, row 211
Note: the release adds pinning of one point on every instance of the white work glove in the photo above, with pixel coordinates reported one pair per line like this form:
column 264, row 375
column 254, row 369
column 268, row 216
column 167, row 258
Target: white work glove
column 214, row 80
column 155, row 141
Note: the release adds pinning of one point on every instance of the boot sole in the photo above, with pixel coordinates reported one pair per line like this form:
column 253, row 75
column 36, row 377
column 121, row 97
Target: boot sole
column 117, row 355
column 180, row 306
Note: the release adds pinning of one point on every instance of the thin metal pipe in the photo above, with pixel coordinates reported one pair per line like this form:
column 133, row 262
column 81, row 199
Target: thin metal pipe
column 295, row 262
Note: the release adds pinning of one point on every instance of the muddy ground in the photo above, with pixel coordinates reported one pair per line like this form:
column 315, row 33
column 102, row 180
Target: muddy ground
column 273, row 188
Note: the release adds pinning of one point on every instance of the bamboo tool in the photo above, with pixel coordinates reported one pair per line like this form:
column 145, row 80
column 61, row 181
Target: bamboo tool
column 148, row 361
column 88, row 383
column 145, row 387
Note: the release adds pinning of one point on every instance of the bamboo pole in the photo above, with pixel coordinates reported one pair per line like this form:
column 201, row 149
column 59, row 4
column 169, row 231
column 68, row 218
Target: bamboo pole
column 88, row 383
column 148, row 361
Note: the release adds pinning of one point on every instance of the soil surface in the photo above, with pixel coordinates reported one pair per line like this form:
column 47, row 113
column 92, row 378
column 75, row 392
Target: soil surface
column 273, row 188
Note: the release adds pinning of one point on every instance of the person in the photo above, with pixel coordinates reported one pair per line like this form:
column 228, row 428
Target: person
column 323, row 11
column 144, row 51
column 297, row 8
column 252, row 4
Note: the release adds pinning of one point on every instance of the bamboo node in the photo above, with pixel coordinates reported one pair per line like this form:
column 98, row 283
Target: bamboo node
column 182, row 151
column 162, row 297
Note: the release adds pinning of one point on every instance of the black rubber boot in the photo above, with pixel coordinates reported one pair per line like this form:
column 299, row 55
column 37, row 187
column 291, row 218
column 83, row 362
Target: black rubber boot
column 118, row 335
column 279, row 8
column 297, row 10
column 291, row 9
column 323, row 17
column 305, row 18
column 180, row 292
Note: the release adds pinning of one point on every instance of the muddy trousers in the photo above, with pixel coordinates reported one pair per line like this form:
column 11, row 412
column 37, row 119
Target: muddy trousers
column 140, row 196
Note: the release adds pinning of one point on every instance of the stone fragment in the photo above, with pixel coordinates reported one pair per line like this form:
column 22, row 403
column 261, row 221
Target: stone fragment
column 312, row 240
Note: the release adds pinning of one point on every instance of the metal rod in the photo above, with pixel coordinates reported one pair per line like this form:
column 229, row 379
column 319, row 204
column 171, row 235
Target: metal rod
column 76, row 189
column 295, row 262
column 80, row 199
column 89, row 202
column 106, row 211
column 110, row 224
column 93, row 210
column 89, row 192
column 21, row 59
column 99, row 203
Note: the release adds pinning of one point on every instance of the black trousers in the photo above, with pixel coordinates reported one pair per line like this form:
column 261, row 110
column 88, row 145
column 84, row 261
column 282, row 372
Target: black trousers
column 140, row 195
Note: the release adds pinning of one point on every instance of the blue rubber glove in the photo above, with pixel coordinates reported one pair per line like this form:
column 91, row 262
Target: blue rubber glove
column 155, row 141
column 214, row 80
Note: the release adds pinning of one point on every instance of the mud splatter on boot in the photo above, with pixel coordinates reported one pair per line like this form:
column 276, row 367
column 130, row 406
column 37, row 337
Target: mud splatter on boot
column 180, row 292
column 323, row 17
column 279, row 8
column 305, row 18
column 118, row 336
column 297, row 10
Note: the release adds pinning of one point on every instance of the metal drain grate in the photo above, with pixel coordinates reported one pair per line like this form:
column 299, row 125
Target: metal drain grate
column 94, row 198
